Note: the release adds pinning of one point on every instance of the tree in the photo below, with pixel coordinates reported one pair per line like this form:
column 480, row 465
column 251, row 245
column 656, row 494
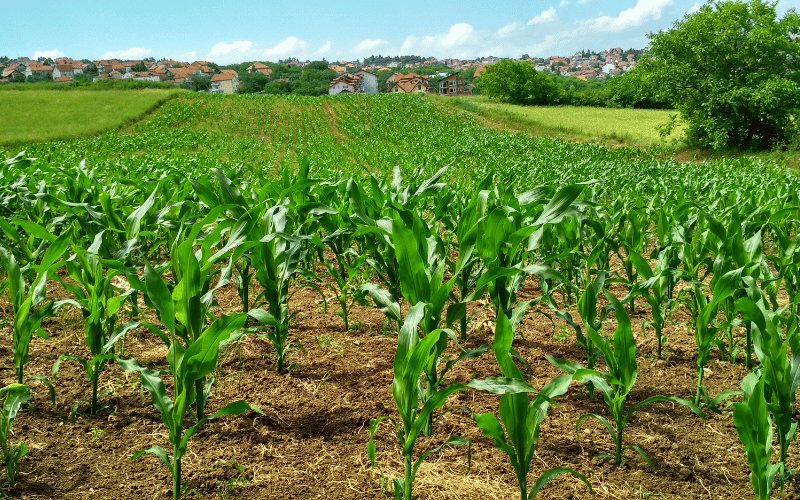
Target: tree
column 139, row 67
column 731, row 70
column 518, row 83
column 198, row 83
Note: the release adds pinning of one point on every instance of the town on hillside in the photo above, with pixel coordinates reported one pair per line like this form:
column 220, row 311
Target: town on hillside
column 407, row 74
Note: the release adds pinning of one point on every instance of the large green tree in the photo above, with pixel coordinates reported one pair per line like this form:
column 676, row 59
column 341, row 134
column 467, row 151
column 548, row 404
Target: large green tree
column 518, row 83
column 731, row 69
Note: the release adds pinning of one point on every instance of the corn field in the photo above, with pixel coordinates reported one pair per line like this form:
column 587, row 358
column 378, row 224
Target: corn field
column 371, row 297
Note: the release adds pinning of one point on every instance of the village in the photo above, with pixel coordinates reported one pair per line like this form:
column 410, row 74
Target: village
column 352, row 76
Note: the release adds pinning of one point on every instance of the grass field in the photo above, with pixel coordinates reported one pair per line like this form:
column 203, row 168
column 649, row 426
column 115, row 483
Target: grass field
column 45, row 115
column 632, row 127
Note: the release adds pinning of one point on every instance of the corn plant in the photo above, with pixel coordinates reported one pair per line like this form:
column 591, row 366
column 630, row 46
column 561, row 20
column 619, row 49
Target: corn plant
column 422, row 282
column 521, row 418
column 507, row 239
column 467, row 266
column 276, row 257
column 14, row 396
column 780, row 371
column 346, row 267
column 616, row 384
column 754, row 426
column 185, row 306
column 189, row 366
column 705, row 326
column 29, row 303
column 632, row 241
column 412, row 355
column 100, row 303
column 656, row 291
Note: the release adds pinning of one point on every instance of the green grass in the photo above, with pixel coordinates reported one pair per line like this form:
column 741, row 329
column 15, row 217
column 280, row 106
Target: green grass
column 48, row 115
column 632, row 127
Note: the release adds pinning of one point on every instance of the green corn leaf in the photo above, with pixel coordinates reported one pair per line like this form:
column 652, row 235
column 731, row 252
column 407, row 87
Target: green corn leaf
column 155, row 386
column 15, row 396
column 559, row 206
column 550, row 474
column 157, row 451
column 159, row 296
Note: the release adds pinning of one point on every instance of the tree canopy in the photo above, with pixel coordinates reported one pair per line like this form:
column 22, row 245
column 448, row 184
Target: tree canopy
column 731, row 70
column 518, row 83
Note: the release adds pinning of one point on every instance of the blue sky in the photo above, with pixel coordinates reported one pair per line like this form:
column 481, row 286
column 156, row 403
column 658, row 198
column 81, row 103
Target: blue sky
column 227, row 31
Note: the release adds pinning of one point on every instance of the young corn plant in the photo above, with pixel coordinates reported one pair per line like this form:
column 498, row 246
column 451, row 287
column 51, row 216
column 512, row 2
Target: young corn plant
column 14, row 396
column 519, row 433
column 616, row 384
column 29, row 303
column 655, row 289
column 754, row 426
column 189, row 365
column 100, row 303
column 276, row 258
column 507, row 240
column 706, row 328
column 780, row 370
column 412, row 355
column 422, row 282
column 184, row 307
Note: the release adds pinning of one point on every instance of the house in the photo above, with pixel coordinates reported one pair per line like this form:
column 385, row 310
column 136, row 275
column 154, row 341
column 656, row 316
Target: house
column 226, row 82
column 34, row 68
column 346, row 83
column 63, row 79
column 259, row 68
column 14, row 72
column 63, row 70
column 369, row 81
column 453, row 85
column 410, row 87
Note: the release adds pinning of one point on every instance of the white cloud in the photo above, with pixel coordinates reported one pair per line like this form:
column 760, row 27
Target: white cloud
column 133, row 53
column 229, row 53
column 547, row 16
column 458, row 34
column 324, row 49
column 291, row 47
column 189, row 56
column 367, row 45
column 563, row 4
column 694, row 8
column 461, row 41
column 508, row 29
column 642, row 12
column 51, row 54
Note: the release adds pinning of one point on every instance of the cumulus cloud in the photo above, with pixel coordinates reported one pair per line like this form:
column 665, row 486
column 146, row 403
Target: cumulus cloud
column 51, row 54
column 324, row 49
column 460, row 41
column 563, row 4
column 547, row 16
column 234, row 52
column 644, row 11
column 291, row 47
column 132, row 53
column 367, row 45
column 508, row 29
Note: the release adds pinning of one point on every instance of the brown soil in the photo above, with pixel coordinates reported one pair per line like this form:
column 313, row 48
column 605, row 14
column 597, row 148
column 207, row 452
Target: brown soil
column 311, row 440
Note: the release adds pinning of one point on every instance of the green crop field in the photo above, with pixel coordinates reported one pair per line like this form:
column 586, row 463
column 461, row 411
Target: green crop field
column 46, row 115
column 634, row 127
column 345, row 296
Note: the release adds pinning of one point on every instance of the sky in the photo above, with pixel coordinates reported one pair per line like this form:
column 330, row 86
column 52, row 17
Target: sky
column 229, row 32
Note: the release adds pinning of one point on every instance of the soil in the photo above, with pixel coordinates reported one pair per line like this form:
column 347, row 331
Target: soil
column 311, row 441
